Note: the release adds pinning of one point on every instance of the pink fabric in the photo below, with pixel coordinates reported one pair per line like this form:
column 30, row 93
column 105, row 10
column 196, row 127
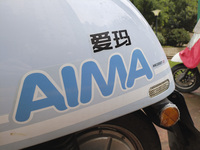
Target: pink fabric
column 191, row 58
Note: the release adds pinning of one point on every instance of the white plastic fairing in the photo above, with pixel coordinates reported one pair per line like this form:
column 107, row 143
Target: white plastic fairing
column 67, row 65
column 193, row 40
column 176, row 58
column 197, row 28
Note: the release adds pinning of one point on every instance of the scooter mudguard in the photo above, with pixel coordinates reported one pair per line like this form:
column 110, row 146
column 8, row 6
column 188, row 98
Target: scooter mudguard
column 183, row 135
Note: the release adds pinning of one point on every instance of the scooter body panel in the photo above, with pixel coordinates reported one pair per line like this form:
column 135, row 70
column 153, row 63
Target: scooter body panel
column 177, row 58
column 65, row 68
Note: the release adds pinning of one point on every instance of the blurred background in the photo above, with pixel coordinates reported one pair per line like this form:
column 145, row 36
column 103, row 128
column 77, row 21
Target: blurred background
column 173, row 22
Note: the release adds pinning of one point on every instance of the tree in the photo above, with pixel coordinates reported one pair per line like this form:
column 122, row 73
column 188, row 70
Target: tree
column 174, row 14
column 178, row 37
column 184, row 15
column 145, row 7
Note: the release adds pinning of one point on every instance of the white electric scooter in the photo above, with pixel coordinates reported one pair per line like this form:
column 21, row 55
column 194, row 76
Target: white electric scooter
column 86, row 75
column 186, row 74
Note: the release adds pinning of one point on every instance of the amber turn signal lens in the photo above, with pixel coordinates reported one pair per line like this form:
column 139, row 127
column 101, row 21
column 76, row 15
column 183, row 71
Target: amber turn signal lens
column 169, row 115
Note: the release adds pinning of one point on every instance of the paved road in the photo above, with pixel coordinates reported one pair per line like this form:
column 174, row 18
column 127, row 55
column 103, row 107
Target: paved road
column 193, row 103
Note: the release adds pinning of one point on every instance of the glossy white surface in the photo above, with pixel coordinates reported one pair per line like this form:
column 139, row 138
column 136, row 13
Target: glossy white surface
column 46, row 37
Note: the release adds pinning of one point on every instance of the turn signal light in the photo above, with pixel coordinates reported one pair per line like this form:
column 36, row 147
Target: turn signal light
column 169, row 115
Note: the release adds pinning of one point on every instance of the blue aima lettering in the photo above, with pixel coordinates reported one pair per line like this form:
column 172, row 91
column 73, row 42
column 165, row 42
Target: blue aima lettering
column 39, row 91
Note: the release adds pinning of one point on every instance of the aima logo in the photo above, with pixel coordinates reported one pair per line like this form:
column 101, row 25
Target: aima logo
column 39, row 91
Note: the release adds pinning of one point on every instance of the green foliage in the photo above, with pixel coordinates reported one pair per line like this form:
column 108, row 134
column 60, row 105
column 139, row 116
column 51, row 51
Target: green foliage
column 145, row 7
column 178, row 37
column 174, row 13
column 175, row 18
column 161, row 38
column 183, row 15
